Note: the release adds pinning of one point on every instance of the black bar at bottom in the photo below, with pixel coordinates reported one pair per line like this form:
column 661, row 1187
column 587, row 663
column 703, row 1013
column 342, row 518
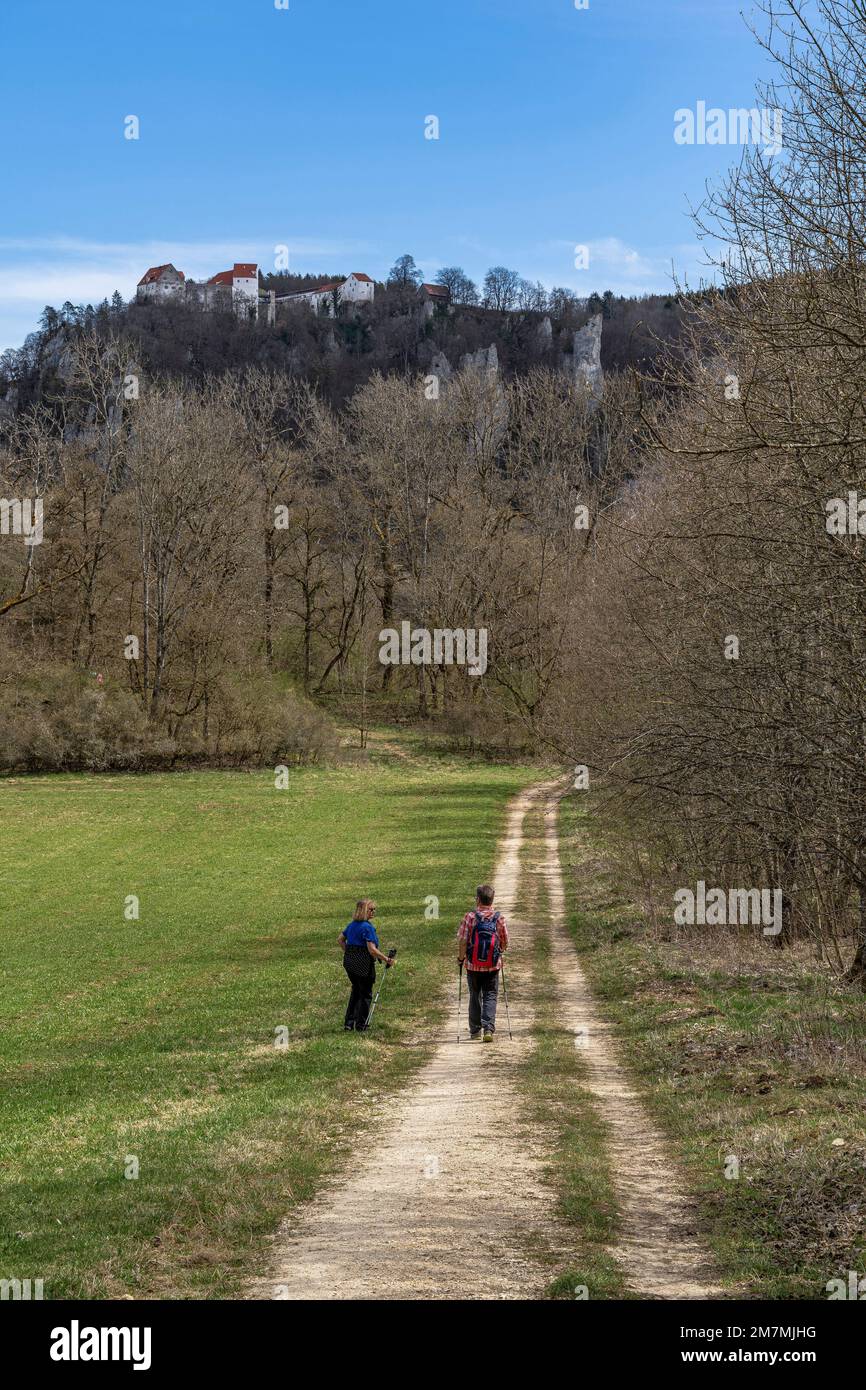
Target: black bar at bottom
column 85, row 1340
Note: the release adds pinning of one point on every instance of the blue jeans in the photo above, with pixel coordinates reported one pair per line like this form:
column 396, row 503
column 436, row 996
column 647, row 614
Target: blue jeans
column 483, row 994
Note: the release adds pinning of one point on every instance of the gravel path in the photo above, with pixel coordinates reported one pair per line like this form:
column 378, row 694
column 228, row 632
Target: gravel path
column 448, row 1199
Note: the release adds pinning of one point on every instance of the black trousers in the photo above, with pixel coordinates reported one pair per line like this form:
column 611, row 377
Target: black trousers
column 360, row 999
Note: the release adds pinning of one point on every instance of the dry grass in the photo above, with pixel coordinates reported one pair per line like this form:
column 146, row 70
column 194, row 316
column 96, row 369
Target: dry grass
column 746, row 1052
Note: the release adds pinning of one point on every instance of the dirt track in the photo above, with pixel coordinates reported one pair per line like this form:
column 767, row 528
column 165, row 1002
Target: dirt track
column 449, row 1200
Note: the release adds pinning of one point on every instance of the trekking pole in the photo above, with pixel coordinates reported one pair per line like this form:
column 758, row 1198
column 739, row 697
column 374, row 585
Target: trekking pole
column 505, row 992
column 391, row 954
column 459, row 994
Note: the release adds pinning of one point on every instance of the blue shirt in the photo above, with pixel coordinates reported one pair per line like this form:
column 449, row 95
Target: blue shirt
column 356, row 933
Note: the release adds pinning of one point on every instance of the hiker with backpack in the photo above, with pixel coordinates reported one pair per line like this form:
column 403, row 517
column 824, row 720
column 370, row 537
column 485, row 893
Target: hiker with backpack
column 481, row 941
column 360, row 952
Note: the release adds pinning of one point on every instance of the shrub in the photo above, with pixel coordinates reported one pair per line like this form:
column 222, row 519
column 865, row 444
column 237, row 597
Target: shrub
column 60, row 720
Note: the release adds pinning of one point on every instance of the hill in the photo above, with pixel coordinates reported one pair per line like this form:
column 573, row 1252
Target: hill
column 395, row 334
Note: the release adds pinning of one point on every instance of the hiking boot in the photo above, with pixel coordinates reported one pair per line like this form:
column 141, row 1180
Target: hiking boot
column 488, row 1037
column 348, row 1027
column 473, row 1037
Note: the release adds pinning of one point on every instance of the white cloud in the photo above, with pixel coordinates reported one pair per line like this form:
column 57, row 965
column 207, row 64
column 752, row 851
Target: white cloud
column 624, row 269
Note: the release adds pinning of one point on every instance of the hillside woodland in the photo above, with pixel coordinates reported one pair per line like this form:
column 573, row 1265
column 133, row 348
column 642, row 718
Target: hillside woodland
column 668, row 562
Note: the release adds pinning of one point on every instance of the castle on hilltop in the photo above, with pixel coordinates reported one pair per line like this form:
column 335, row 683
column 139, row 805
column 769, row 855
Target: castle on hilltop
column 238, row 289
column 357, row 288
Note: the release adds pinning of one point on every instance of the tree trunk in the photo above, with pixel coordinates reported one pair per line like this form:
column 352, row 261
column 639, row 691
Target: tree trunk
column 857, row 974
column 269, row 597
column 387, row 597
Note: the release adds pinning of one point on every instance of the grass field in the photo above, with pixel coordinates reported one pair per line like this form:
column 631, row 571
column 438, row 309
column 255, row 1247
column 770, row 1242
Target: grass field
column 154, row 1041
column 746, row 1054
column 153, row 1045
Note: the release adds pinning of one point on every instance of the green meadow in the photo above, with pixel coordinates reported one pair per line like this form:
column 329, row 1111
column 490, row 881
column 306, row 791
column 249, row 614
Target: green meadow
column 200, row 1045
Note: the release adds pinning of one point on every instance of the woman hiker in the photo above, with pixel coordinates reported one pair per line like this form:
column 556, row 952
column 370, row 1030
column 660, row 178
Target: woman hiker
column 360, row 952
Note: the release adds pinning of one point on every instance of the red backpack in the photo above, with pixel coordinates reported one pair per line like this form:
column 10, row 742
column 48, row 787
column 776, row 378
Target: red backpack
column 484, row 950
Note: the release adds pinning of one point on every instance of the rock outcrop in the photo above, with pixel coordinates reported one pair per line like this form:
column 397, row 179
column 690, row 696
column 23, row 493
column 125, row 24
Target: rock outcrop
column 484, row 360
column 544, row 334
column 586, row 359
column 9, row 402
column 440, row 367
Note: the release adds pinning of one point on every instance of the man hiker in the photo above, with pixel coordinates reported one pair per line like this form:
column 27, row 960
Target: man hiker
column 481, row 940
column 360, row 950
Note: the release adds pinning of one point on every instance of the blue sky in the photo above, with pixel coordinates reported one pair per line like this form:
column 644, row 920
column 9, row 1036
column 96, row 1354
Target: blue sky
column 304, row 127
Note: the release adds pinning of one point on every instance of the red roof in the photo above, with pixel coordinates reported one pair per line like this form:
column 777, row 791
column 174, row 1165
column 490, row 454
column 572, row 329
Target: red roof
column 241, row 270
column 320, row 289
column 359, row 275
column 155, row 273
column 438, row 290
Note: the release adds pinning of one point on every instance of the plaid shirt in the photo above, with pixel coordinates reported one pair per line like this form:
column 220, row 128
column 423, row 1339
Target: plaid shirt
column 467, row 925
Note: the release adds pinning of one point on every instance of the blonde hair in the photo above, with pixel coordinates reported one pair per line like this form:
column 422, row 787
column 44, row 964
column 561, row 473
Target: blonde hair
column 364, row 909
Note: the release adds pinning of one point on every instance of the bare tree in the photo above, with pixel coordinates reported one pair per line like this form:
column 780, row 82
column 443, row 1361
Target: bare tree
column 501, row 287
